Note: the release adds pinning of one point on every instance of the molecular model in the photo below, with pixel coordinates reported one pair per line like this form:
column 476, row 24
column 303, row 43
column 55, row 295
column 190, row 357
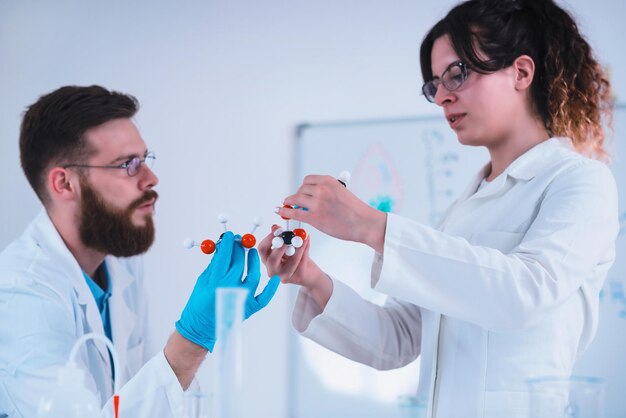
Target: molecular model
column 344, row 178
column 292, row 239
column 208, row 246
column 295, row 239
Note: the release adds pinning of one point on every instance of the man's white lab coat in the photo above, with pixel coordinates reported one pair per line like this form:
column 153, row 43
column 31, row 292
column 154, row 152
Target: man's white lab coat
column 506, row 289
column 46, row 305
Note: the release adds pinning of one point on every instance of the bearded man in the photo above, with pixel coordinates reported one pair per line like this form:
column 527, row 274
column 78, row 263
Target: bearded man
column 76, row 269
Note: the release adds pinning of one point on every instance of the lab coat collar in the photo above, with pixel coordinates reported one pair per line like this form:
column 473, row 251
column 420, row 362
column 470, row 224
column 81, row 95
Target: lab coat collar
column 47, row 237
column 533, row 161
column 525, row 167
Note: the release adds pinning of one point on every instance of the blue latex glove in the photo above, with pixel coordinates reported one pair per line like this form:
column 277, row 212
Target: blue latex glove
column 197, row 322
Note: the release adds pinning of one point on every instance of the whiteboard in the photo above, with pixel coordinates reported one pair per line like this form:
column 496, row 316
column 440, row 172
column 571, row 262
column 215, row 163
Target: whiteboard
column 416, row 168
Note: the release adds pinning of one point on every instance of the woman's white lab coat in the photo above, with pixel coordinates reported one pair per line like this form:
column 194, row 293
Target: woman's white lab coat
column 506, row 289
column 46, row 305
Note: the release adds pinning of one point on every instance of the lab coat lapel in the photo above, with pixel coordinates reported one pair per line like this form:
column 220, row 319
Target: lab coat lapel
column 49, row 239
column 473, row 185
column 123, row 319
column 444, row 225
column 523, row 168
column 94, row 320
column 491, row 188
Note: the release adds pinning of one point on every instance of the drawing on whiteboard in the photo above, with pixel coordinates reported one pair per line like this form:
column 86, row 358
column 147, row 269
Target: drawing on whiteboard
column 382, row 203
column 616, row 294
column 439, row 172
column 376, row 179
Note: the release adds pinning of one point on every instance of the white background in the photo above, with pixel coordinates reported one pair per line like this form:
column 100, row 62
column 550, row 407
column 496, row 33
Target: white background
column 222, row 86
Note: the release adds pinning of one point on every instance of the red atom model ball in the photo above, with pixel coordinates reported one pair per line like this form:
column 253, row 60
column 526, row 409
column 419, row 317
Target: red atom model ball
column 300, row 233
column 288, row 207
column 248, row 241
column 207, row 246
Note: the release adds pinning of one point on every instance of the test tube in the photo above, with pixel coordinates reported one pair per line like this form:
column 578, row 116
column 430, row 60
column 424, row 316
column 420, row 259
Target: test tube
column 229, row 310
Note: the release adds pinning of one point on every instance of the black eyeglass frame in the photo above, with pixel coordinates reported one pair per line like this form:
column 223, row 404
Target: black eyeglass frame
column 434, row 84
column 131, row 166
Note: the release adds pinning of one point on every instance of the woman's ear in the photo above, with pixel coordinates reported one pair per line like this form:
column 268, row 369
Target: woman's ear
column 524, row 67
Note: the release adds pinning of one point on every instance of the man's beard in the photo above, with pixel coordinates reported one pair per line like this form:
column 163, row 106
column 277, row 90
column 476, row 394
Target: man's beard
column 110, row 230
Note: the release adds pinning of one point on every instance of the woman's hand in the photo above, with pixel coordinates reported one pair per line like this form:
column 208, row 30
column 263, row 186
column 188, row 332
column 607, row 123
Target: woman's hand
column 298, row 269
column 334, row 210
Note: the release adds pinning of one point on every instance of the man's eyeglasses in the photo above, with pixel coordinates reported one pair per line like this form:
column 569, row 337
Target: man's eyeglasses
column 131, row 166
column 452, row 79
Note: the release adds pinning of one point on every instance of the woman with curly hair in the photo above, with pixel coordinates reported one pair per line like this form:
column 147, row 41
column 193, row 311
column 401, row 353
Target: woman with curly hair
column 507, row 287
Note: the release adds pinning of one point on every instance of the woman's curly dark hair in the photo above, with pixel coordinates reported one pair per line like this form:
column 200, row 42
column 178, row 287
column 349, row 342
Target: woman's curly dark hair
column 570, row 92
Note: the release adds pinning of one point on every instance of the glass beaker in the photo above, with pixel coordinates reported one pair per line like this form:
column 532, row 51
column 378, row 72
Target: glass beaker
column 229, row 309
column 412, row 406
column 562, row 397
column 196, row 405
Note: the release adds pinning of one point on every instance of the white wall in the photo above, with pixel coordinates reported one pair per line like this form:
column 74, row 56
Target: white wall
column 222, row 86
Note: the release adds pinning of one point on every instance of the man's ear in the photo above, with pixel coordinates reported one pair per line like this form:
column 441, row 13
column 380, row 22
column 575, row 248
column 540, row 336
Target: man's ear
column 62, row 184
column 524, row 67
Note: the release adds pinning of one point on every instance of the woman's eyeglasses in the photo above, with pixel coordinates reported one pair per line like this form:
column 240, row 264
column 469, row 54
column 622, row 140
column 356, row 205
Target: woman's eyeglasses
column 452, row 79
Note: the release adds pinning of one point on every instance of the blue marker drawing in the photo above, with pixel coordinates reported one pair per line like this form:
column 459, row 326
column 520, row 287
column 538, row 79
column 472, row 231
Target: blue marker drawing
column 618, row 295
column 440, row 164
column 383, row 203
column 376, row 179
